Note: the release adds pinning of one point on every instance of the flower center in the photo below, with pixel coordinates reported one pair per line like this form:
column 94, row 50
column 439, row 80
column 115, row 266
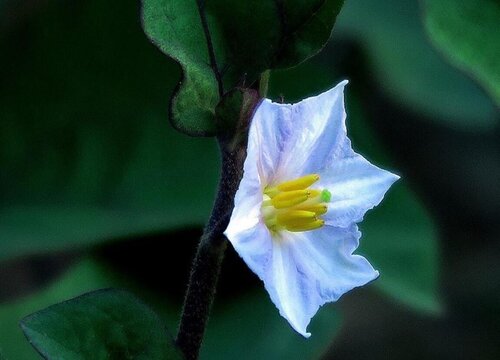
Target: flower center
column 292, row 206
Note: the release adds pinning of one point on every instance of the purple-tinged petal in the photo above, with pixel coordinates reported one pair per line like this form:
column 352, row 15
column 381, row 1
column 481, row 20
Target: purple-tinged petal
column 269, row 132
column 254, row 245
column 319, row 134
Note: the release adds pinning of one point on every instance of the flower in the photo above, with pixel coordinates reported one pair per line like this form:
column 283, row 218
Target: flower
column 303, row 191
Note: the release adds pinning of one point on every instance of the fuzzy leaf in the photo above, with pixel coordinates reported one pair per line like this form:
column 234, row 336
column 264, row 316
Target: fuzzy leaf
column 104, row 324
column 221, row 44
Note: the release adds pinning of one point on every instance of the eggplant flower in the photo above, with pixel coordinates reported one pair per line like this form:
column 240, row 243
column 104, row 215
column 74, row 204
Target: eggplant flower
column 303, row 191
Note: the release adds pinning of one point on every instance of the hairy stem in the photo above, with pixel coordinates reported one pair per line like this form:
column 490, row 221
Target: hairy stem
column 207, row 263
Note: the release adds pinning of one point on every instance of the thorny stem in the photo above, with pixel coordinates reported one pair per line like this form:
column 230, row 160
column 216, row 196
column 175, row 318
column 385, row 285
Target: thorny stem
column 207, row 263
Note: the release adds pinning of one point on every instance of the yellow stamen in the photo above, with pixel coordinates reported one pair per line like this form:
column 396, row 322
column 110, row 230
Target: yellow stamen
column 307, row 226
column 315, row 193
column 292, row 206
column 298, row 184
column 295, row 217
column 271, row 191
column 290, row 198
column 318, row 209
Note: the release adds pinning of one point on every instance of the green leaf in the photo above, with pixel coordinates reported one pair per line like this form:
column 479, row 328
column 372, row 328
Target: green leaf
column 175, row 27
column 407, row 66
column 399, row 236
column 86, row 154
column 104, row 324
column 400, row 240
column 229, row 44
column 253, row 323
column 467, row 33
column 83, row 277
column 307, row 26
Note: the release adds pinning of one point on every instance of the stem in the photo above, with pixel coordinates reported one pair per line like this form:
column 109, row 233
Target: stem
column 207, row 263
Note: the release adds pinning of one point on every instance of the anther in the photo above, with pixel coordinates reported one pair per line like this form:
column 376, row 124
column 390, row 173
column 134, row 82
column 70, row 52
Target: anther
column 307, row 226
column 298, row 184
column 290, row 198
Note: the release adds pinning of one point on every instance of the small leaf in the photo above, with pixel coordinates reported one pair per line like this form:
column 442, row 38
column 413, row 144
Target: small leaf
column 104, row 324
column 467, row 33
column 222, row 44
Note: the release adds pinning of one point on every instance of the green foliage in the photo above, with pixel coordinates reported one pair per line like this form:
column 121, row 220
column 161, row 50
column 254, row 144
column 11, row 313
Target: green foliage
column 407, row 67
column 105, row 324
column 399, row 237
column 83, row 277
column 175, row 27
column 400, row 240
column 252, row 323
column 467, row 33
column 86, row 153
column 251, row 316
column 221, row 44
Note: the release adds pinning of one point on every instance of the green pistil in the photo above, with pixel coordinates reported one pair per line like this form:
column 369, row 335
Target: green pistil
column 325, row 196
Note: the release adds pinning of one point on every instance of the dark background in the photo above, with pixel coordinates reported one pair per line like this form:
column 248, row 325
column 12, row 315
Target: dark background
column 97, row 190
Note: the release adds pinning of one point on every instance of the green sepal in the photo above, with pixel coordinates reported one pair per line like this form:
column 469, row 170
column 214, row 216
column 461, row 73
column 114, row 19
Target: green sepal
column 234, row 113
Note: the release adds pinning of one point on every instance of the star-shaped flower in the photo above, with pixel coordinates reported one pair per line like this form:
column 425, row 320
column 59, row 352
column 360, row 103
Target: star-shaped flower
column 296, row 208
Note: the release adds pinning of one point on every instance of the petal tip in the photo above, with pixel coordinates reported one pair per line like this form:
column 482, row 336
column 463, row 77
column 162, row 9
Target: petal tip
column 343, row 82
column 306, row 335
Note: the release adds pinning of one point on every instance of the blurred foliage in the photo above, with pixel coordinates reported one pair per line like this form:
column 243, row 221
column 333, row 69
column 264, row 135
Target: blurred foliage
column 401, row 241
column 251, row 317
column 400, row 238
column 467, row 32
column 103, row 324
column 252, row 323
column 231, row 46
column 86, row 276
column 85, row 149
column 407, row 67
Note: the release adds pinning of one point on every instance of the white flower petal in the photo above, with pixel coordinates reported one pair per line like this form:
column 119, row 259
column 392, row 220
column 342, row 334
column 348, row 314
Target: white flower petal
column 319, row 134
column 356, row 186
column 269, row 133
column 248, row 198
column 302, row 271
column 299, row 139
column 309, row 269
column 254, row 245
